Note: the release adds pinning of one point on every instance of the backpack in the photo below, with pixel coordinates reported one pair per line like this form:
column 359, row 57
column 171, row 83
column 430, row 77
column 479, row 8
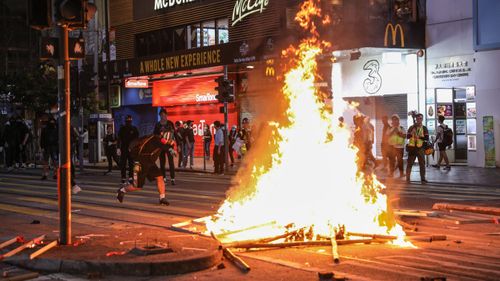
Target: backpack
column 447, row 136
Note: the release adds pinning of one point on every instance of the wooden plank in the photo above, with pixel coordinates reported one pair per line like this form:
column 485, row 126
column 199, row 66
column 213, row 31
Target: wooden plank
column 467, row 208
column 9, row 242
column 24, row 246
column 44, row 249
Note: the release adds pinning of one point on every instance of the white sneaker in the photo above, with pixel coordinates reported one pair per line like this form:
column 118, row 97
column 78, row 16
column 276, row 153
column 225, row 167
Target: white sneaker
column 75, row 189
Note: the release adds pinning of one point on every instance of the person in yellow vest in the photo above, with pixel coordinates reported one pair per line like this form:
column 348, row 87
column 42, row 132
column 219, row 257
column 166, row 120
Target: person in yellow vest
column 417, row 136
column 396, row 136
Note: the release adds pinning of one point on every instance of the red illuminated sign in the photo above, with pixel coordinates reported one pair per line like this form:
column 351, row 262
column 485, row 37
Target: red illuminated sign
column 184, row 91
column 135, row 83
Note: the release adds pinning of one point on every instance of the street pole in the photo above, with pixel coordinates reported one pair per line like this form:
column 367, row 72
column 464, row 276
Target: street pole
column 64, row 177
column 226, row 143
column 108, row 58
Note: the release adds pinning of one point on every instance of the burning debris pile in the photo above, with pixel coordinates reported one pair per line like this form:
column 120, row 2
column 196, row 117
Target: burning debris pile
column 312, row 192
column 313, row 187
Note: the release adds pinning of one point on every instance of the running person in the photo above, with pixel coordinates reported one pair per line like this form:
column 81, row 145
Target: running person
column 145, row 152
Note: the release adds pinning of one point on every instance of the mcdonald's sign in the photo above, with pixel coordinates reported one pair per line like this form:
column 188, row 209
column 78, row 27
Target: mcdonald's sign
column 270, row 71
column 394, row 34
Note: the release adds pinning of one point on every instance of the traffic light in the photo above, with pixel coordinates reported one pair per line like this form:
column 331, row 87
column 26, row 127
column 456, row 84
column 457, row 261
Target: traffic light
column 76, row 13
column 220, row 88
column 39, row 14
column 225, row 90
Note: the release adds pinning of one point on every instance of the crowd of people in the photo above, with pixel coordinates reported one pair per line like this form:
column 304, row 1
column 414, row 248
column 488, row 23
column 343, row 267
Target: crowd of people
column 15, row 140
column 395, row 140
column 136, row 156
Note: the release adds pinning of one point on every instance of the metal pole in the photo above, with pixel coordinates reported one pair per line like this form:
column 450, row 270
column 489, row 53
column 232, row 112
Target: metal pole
column 108, row 58
column 64, row 177
column 226, row 146
column 80, row 121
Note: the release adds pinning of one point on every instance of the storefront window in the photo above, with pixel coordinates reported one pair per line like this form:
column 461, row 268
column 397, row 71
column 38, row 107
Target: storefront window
column 222, row 31
column 180, row 38
column 166, row 41
column 194, row 36
column 208, row 33
column 154, row 43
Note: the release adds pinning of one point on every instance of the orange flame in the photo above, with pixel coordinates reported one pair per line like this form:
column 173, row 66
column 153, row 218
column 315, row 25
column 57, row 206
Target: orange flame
column 313, row 181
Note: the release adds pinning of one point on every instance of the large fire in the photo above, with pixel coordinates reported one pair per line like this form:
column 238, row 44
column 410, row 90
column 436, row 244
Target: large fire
column 313, row 182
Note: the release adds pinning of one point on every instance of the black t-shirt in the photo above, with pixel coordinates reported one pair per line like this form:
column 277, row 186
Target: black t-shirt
column 127, row 135
column 161, row 128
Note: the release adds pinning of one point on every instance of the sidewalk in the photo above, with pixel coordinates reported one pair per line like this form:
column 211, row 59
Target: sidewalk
column 458, row 175
column 114, row 250
column 200, row 166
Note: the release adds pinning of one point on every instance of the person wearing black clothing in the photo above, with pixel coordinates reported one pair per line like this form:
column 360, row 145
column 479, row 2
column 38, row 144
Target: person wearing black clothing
column 49, row 143
column 127, row 134
column 145, row 151
column 207, row 140
column 179, row 142
column 165, row 129
column 110, row 142
column 188, row 139
column 10, row 144
column 23, row 134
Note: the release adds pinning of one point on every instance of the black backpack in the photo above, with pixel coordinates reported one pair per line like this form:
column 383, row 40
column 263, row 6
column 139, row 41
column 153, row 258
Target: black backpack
column 447, row 136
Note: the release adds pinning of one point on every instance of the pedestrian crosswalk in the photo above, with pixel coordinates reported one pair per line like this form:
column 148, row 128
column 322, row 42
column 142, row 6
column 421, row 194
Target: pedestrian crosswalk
column 195, row 195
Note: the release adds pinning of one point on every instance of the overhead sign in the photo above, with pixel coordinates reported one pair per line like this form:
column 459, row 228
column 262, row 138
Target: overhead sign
column 150, row 8
column 184, row 91
column 137, row 83
column 393, row 30
column 244, row 8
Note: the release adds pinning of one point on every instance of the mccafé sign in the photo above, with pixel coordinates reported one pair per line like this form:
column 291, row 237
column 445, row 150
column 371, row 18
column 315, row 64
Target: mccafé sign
column 244, row 8
column 394, row 31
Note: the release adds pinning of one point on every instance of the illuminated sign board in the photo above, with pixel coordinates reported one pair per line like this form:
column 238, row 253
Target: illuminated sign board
column 163, row 4
column 137, row 83
column 244, row 8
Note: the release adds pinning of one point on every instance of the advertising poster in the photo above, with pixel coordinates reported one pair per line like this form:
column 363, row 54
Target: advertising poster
column 431, row 111
column 460, row 126
column 489, row 141
column 460, row 111
column 470, row 93
column 471, row 110
column 471, row 142
column 471, row 126
column 431, row 126
column 445, row 109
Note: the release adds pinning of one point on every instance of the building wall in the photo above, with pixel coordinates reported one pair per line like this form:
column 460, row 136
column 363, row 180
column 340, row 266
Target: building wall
column 450, row 37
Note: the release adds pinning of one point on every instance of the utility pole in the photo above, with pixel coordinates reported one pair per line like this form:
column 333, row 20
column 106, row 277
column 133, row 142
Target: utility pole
column 64, row 179
column 226, row 142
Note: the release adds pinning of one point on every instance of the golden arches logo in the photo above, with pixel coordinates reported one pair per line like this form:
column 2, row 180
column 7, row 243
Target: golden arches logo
column 394, row 32
column 270, row 71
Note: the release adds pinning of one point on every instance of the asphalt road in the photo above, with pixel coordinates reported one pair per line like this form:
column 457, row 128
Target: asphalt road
column 471, row 251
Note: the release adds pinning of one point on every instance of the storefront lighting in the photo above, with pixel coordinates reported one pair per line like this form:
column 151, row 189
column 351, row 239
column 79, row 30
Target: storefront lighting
column 250, row 67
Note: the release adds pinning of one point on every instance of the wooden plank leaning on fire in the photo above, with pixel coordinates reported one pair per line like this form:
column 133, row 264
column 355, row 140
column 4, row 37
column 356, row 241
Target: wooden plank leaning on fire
column 228, row 254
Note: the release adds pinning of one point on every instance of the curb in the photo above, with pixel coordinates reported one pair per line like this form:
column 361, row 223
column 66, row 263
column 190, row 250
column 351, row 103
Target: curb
column 120, row 268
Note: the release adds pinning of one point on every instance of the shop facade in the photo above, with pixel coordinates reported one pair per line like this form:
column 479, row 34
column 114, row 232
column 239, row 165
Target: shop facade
column 462, row 61
column 181, row 47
